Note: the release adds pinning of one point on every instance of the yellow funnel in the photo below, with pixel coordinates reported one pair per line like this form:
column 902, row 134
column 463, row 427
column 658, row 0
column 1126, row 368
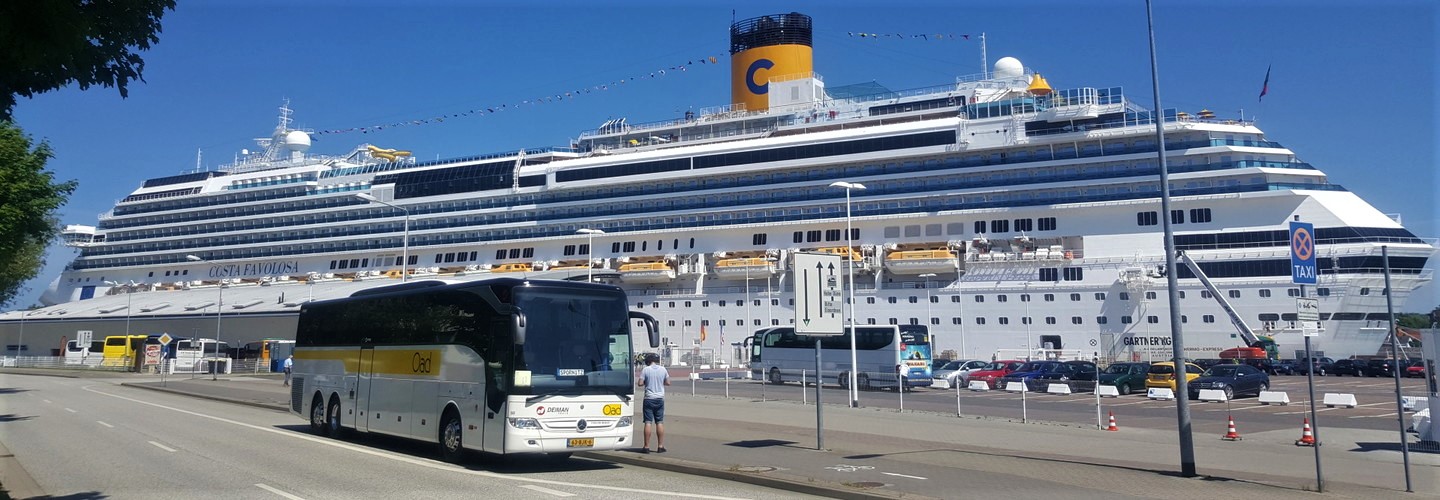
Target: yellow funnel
column 1039, row 86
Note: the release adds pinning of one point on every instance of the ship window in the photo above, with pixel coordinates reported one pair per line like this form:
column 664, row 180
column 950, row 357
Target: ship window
column 954, row 298
column 1365, row 291
column 569, row 249
column 979, row 227
column 720, row 303
column 1076, row 320
column 1177, row 216
column 954, row 228
column 1269, row 317
column 1150, row 295
column 439, row 258
column 799, row 237
column 1047, row 223
column 1049, row 274
column 1003, row 320
column 628, row 246
column 1024, row 297
column 1049, row 320
column 704, row 303
column 812, row 236
column 869, row 300
column 1075, row 297
column 645, row 245
column 1322, row 292
column 1074, row 274
column 1199, row 215
column 1002, row 298
column 614, row 248
column 832, row 235
column 913, row 300
column 1024, row 225
column 912, row 231
column 1125, row 320
column 515, row 253
column 892, row 300
column 1234, row 294
column 1102, row 320
column 979, row 320
column 1292, row 292
column 1205, row 294
column 449, row 257
column 999, row 226
column 1124, row 295
column 1152, row 319
column 1049, row 297
column 757, row 239
column 1147, row 218
column 979, row 298
column 473, row 255
column 1264, row 292
column 692, row 242
column 890, row 232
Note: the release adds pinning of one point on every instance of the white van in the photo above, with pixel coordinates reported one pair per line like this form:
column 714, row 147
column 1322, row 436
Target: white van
column 91, row 354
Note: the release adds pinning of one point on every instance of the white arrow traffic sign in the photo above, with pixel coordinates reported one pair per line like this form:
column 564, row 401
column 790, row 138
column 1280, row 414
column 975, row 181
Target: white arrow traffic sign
column 818, row 282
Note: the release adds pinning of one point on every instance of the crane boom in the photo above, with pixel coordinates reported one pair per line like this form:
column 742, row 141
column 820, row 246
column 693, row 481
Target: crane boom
column 1246, row 333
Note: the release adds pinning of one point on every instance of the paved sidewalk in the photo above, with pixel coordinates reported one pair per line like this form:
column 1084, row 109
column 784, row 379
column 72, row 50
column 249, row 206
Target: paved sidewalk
column 879, row 453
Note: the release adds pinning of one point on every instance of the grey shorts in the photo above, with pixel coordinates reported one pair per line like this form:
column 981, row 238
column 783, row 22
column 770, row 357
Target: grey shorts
column 654, row 410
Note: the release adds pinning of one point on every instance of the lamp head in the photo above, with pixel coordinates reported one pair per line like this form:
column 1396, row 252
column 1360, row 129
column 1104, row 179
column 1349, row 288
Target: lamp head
column 365, row 196
column 193, row 258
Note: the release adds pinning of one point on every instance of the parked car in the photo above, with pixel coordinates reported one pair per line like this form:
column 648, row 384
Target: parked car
column 1078, row 374
column 1382, row 367
column 1206, row 363
column 1348, row 367
column 992, row 372
column 1287, row 367
column 936, row 364
column 1416, row 368
column 1027, row 372
column 1263, row 364
column 1125, row 376
column 1163, row 374
column 1321, row 365
column 1234, row 380
column 952, row 372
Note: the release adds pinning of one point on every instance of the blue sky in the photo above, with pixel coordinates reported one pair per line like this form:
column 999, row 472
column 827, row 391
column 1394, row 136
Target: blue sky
column 1352, row 88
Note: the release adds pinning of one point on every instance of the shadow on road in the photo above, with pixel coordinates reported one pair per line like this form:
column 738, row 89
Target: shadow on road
column 11, row 417
column 760, row 443
column 512, row 464
column 88, row 495
column 12, row 390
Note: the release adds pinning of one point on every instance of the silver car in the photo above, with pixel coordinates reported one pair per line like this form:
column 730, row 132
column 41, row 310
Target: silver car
column 957, row 371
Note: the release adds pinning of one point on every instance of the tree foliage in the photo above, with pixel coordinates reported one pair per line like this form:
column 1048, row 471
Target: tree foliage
column 48, row 44
column 29, row 198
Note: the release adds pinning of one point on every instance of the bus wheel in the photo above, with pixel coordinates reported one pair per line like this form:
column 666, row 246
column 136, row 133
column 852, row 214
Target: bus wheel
column 844, row 380
column 317, row 416
column 864, row 382
column 775, row 376
column 332, row 418
column 452, row 444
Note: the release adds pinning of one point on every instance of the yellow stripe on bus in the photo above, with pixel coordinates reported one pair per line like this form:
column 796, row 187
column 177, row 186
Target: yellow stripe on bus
column 416, row 362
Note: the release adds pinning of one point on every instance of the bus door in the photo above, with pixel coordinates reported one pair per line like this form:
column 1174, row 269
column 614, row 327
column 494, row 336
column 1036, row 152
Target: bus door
column 363, row 383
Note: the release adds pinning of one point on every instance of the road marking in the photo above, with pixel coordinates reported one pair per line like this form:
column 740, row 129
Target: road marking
column 1391, row 414
column 163, row 447
column 71, row 410
column 104, row 424
column 46, row 401
column 432, row 464
column 277, row 492
column 1377, row 404
column 547, row 491
column 902, row 475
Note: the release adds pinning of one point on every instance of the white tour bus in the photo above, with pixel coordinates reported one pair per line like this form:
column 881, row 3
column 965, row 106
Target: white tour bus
column 780, row 355
column 501, row 365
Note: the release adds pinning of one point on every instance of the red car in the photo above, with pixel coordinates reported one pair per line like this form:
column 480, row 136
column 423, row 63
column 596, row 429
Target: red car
column 992, row 372
column 1415, row 368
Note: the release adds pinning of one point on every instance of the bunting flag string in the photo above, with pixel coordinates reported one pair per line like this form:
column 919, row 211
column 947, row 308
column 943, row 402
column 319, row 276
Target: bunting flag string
column 902, row 36
column 709, row 60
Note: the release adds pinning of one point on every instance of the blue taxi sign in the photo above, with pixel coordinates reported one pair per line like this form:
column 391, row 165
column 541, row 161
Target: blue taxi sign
column 1302, row 253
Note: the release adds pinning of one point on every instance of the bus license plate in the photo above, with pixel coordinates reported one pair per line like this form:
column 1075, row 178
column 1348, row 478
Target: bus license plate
column 581, row 443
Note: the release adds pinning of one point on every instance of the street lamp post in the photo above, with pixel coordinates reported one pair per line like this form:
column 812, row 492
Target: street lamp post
column 1025, row 297
column 219, row 308
column 850, row 249
column 935, row 351
column 590, row 253
column 404, row 245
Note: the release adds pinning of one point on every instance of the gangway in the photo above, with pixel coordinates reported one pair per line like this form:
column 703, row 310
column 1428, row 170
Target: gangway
column 1257, row 346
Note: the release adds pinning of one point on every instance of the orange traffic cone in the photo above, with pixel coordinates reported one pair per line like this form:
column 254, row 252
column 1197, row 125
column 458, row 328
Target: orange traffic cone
column 1112, row 423
column 1307, row 438
column 1231, row 435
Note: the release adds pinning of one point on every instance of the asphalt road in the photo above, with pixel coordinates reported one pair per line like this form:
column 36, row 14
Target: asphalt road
column 83, row 438
column 1375, row 395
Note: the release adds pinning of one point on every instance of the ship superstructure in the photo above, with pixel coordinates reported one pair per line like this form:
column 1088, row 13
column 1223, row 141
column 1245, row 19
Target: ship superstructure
column 1002, row 212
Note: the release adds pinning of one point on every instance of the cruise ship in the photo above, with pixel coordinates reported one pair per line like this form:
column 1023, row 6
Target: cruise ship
column 1007, row 215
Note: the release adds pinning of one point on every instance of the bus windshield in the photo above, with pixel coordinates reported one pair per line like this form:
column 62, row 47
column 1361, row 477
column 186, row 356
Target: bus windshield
column 576, row 342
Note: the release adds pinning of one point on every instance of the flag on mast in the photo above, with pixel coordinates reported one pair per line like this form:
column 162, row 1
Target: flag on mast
column 1265, row 88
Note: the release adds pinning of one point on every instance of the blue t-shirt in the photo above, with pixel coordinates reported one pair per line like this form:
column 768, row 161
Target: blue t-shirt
column 655, row 376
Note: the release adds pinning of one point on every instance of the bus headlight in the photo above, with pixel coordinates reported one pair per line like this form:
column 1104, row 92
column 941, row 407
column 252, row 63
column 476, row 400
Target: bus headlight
column 624, row 422
column 525, row 423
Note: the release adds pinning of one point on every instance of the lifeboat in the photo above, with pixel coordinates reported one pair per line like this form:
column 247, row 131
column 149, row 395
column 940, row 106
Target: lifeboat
column 568, row 265
column 845, row 253
column 646, row 269
column 921, row 259
column 513, row 267
column 739, row 267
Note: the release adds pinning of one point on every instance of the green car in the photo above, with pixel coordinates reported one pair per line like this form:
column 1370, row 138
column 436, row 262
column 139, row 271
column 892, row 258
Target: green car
column 1125, row 376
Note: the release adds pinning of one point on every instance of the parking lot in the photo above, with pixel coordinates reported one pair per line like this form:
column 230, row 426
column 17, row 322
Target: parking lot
column 1376, row 408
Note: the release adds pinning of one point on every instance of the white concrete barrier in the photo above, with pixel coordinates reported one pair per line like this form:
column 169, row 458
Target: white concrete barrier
column 1015, row 387
column 940, row 383
column 1212, row 395
column 1278, row 397
column 979, row 386
column 1108, row 391
column 1058, row 389
column 694, row 376
column 1162, row 393
column 1410, row 403
column 1347, row 400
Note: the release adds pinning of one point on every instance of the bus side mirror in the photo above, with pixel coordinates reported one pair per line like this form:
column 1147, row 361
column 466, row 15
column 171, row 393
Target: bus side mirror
column 652, row 328
column 519, row 318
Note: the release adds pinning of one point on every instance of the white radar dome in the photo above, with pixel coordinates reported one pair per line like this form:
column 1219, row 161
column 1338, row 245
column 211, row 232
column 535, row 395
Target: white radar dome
column 297, row 141
column 1009, row 67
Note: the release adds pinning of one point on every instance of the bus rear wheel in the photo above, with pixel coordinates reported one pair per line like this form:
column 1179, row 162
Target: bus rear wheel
column 317, row 416
column 332, row 418
column 452, row 446
column 863, row 382
column 775, row 376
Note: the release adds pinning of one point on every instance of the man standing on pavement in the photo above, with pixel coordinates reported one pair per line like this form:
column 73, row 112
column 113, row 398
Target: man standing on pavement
column 289, row 363
column 654, row 378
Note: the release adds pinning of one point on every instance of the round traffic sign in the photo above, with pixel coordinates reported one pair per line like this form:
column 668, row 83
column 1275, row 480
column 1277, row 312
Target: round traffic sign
column 1302, row 243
